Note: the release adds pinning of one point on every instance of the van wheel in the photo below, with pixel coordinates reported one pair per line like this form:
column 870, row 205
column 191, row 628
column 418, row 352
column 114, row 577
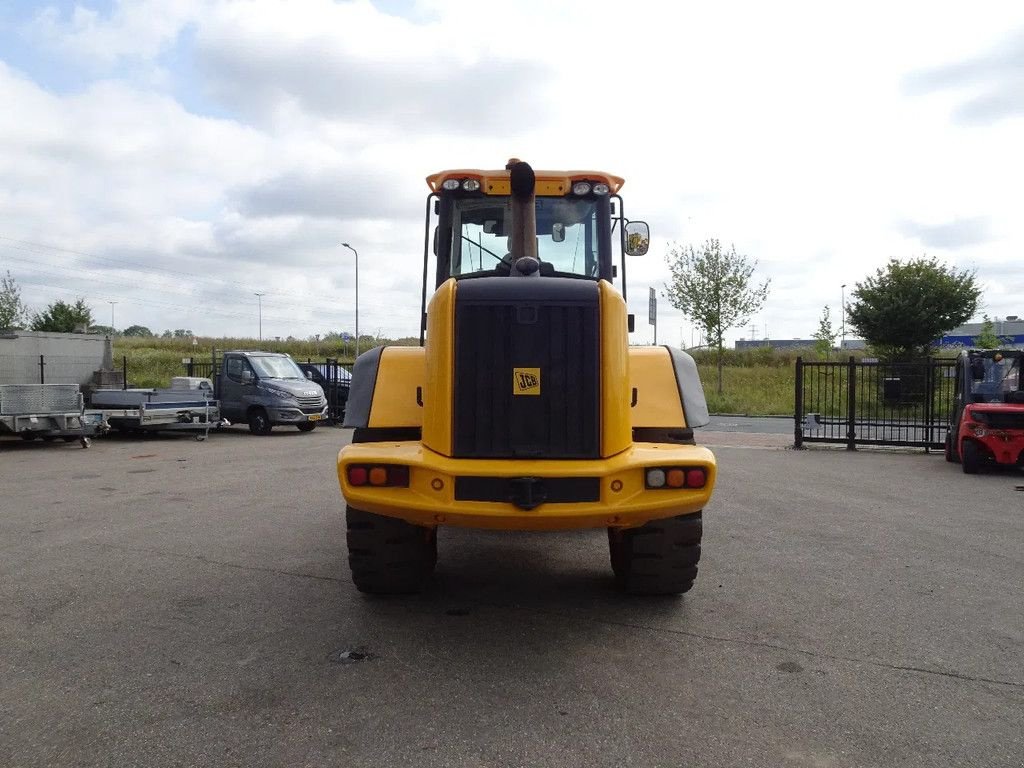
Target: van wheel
column 307, row 426
column 659, row 557
column 259, row 422
column 389, row 556
column 971, row 458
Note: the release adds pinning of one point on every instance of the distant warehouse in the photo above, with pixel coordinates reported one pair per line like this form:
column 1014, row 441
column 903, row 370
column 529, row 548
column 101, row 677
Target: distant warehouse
column 1010, row 331
column 792, row 343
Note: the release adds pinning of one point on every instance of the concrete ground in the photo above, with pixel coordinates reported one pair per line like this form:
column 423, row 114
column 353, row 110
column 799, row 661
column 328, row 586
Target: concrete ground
column 165, row 602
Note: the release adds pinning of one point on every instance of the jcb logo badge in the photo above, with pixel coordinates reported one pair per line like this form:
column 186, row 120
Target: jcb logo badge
column 526, row 381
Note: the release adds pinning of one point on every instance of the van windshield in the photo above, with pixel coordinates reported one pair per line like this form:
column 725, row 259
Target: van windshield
column 276, row 368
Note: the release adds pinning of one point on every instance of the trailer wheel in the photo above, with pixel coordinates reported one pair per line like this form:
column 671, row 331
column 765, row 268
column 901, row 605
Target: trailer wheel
column 388, row 555
column 259, row 422
column 659, row 557
column 307, row 426
column 971, row 457
column 28, row 437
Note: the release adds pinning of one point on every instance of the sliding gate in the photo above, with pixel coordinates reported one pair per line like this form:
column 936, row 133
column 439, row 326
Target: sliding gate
column 871, row 403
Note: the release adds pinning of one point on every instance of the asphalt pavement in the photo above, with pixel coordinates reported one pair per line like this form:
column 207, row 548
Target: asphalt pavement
column 769, row 425
column 165, row 602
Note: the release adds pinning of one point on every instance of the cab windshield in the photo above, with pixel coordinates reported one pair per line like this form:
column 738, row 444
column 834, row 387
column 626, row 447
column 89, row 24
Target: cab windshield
column 567, row 237
column 992, row 379
column 276, row 368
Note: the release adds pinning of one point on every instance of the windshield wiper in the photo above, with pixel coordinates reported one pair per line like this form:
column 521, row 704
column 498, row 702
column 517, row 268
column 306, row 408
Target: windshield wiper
column 492, row 253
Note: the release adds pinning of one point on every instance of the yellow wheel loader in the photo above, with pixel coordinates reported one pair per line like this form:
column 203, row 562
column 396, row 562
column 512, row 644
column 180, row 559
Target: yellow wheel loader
column 525, row 408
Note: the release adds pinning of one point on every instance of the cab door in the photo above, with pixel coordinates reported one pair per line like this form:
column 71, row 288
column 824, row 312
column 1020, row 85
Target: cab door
column 237, row 385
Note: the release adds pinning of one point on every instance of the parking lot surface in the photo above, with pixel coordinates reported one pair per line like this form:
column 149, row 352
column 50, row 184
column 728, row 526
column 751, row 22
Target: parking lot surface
column 166, row 602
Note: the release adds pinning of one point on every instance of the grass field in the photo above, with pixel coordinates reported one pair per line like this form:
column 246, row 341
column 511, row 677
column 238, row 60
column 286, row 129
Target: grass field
column 756, row 382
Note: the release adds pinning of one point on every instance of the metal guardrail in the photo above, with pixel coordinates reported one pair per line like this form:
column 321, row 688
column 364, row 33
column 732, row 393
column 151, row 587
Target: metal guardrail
column 872, row 403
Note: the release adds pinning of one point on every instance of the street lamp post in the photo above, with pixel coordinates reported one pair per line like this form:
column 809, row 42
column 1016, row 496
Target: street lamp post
column 842, row 339
column 111, row 303
column 346, row 245
column 259, row 298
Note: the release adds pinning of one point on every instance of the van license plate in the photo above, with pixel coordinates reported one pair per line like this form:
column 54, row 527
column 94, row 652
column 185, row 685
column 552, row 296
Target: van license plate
column 315, row 417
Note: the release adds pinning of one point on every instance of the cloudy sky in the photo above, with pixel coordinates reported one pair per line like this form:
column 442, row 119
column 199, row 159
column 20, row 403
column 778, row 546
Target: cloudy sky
column 179, row 156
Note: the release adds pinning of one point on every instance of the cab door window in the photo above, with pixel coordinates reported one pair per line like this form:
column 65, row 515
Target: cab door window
column 235, row 367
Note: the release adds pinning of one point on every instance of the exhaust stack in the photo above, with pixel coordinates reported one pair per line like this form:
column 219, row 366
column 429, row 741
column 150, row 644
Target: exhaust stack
column 523, row 237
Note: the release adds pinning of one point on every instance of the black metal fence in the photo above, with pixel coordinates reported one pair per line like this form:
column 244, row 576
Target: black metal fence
column 872, row 403
column 335, row 380
column 332, row 377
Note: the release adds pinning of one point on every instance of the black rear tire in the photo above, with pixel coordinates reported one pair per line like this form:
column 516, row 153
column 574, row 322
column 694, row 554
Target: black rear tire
column 259, row 422
column 950, row 456
column 971, row 458
column 659, row 557
column 389, row 556
column 306, row 426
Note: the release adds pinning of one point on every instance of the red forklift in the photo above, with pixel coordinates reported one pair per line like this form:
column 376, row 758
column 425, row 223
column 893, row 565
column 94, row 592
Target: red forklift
column 987, row 423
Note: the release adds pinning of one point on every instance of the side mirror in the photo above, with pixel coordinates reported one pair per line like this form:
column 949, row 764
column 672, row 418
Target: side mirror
column 638, row 238
column 558, row 232
column 247, row 377
column 309, row 375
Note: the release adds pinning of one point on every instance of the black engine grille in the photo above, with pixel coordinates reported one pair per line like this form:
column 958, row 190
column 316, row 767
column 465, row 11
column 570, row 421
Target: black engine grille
column 550, row 324
column 1001, row 419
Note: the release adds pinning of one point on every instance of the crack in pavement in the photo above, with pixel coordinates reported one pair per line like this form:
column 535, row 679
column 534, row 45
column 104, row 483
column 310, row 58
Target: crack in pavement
column 594, row 620
column 223, row 563
column 788, row 649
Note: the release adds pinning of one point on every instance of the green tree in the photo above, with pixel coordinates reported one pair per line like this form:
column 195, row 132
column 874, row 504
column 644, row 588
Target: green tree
column 62, row 317
column 182, row 333
column 987, row 338
column 13, row 312
column 137, row 330
column 713, row 288
column 903, row 309
column 825, row 336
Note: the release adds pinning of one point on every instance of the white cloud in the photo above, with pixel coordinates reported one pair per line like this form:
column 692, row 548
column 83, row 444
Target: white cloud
column 821, row 142
column 139, row 29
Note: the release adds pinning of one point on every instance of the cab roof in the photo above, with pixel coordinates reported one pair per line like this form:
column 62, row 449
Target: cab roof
column 496, row 182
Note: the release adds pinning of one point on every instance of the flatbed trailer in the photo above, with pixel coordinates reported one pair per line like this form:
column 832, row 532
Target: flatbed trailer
column 48, row 412
column 177, row 409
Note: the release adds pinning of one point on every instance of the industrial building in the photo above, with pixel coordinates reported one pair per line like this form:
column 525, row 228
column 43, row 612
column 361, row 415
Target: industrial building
column 1010, row 330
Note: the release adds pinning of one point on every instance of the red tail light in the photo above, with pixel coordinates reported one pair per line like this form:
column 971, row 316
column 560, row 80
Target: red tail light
column 671, row 478
column 379, row 475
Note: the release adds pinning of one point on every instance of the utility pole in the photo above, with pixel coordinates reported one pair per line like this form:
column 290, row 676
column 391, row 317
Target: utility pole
column 259, row 298
column 111, row 303
column 842, row 338
column 346, row 245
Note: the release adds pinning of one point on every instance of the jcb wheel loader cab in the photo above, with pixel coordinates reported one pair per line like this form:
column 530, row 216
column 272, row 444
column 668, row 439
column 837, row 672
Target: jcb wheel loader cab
column 526, row 409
